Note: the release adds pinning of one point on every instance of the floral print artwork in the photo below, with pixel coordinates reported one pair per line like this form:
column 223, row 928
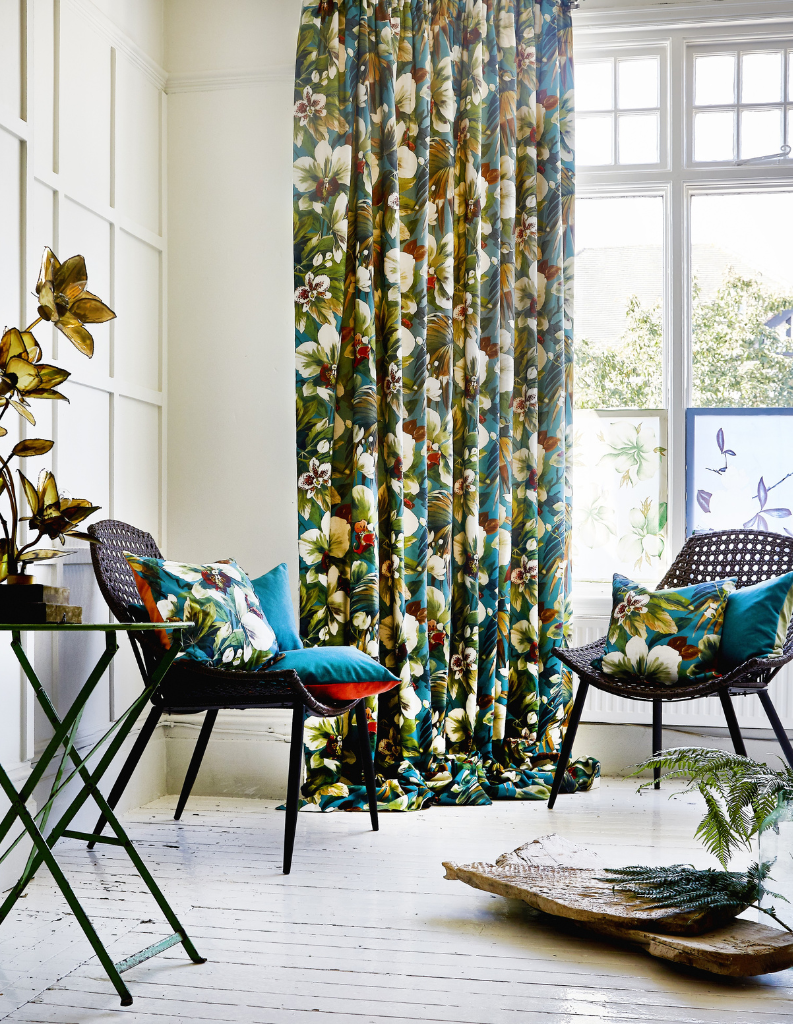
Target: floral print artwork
column 433, row 218
column 620, row 506
column 665, row 636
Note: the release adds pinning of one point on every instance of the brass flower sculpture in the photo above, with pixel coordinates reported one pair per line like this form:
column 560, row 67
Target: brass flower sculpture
column 64, row 301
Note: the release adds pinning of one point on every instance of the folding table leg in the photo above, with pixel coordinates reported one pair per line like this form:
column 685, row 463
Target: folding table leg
column 62, row 882
column 91, row 788
column 130, row 765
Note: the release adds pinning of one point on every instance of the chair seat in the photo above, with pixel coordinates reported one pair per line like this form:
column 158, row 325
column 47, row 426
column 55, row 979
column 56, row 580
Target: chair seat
column 753, row 675
column 190, row 689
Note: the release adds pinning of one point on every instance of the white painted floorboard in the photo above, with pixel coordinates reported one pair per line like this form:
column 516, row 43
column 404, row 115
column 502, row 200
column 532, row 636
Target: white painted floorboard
column 365, row 930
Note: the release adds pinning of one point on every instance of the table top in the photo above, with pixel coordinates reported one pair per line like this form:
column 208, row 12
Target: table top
column 87, row 627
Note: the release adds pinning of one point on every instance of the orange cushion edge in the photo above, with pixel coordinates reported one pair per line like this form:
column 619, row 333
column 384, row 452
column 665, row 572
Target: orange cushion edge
column 351, row 691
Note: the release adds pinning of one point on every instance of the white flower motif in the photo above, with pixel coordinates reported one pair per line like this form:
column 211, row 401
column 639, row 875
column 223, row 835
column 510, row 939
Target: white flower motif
column 658, row 664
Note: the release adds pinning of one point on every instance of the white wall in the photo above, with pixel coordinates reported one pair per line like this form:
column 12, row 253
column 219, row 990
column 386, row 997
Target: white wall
column 232, row 472
column 81, row 151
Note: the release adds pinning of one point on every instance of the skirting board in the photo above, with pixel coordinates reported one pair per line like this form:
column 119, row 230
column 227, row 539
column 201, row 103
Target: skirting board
column 248, row 754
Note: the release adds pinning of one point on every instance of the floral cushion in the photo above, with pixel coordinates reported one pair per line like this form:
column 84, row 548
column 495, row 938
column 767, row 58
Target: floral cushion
column 230, row 629
column 665, row 637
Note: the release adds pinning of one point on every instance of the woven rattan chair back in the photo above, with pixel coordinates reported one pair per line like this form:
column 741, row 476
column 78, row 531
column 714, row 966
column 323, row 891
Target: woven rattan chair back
column 112, row 570
column 748, row 555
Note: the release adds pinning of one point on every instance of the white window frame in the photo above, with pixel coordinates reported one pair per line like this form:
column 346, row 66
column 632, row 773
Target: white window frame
column 678, row 32
column 634, row 52
column 783, row 43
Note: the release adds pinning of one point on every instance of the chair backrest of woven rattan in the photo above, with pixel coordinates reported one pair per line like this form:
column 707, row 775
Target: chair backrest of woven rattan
column 749, row 555
column 111, row 568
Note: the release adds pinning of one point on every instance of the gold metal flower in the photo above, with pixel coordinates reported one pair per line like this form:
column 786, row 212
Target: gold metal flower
column 65, row 301
column 54, row 515
column 22, row 376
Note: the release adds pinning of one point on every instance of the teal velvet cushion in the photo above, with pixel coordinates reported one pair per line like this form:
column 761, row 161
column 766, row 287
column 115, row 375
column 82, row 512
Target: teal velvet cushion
column 756, row 621
column 665, row 637
column 338, row 673
column 272, row 589
column 230, row 632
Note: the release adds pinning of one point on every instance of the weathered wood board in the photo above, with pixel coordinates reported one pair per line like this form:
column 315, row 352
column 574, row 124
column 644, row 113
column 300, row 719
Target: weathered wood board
column 709, row 941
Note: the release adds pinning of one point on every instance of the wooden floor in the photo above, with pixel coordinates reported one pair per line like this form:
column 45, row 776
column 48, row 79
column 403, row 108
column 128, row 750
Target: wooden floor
column 365, row 929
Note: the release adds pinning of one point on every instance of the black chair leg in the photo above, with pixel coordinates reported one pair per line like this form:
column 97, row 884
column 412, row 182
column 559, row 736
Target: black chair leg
column 368, row 761
column 776, row 725
column 293, row 787
column 658, row 738
column 195, row 761
column 130, row 765
column 567, row 742
column 732, row 723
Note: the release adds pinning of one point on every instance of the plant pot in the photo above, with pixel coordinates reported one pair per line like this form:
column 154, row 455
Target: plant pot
column 20, row 580
column 776, row 850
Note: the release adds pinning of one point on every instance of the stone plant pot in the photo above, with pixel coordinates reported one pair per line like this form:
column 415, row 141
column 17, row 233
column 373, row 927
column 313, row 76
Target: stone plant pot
column 776, row 850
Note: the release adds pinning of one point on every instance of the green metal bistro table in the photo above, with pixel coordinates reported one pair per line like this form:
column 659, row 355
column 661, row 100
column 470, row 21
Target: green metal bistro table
column 65, row 732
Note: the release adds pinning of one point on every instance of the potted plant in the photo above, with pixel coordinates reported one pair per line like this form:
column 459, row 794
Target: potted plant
column 64, row 300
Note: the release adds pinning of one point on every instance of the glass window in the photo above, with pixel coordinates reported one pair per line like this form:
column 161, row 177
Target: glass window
column 638, row 138
column 742, row 272
column 637, row 83
column 594, row 137
column 594, row 85
column 761, row 78
column 714, row 135
column 607, row 130
column 714, row 80
column 618, row 302
column 761, row 132
column 749, row 89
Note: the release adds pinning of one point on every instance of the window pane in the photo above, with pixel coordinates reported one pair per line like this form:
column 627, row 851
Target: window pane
column 594, row 85
column 594, row 139
column 638, row 138
column 714, row 79
column 761, row 78
column 619, row 497
column 637, row 83
column 714, row 135
column 618, row 295
column 761, row 132
column 742, row 269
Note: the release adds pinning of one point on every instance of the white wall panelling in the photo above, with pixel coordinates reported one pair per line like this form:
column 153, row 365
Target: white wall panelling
column 81, row 170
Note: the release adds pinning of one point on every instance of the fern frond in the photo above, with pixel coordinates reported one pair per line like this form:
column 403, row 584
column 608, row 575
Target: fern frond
column 739, row 792
column 684, row 887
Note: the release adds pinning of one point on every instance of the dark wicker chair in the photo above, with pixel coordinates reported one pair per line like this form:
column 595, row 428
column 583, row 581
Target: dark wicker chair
column 749, row 555
column 189, row 689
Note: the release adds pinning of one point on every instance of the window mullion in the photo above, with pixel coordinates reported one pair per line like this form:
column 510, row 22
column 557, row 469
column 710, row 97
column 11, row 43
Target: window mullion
column 677, row 335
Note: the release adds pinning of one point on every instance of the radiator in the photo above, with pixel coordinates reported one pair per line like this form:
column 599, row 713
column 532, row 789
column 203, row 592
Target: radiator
column 603, row 707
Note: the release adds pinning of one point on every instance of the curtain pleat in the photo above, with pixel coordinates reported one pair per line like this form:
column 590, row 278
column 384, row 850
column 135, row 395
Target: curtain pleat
column 433, row 282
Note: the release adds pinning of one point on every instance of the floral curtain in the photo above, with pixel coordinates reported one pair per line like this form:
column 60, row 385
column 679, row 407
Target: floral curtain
column 433, row 214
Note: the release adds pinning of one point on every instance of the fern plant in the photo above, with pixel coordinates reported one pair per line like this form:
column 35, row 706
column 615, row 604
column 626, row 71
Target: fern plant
column 685, row 887
column 739, row 793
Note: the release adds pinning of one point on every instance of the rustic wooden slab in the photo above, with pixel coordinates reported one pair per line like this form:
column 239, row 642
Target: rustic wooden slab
column 577, row 894
column 711, row 941
column 739, row 949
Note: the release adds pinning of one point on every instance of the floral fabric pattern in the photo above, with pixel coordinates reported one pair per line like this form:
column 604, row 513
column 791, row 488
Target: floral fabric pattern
column 230, row 628
column 665, row 636
column 433, row 218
